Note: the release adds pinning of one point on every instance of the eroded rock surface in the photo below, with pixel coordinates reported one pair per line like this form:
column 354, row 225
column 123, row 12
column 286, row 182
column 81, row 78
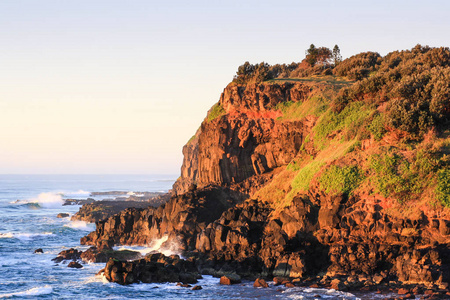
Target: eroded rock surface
column 152, row 268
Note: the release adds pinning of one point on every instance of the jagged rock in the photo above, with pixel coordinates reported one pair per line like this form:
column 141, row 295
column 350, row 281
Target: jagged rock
column 99, row 255
column 71, row 254
column 244, row 142
column 259, row 282
column 182, row 217
column 74, row 264
column 230, row 279
column 152, row 268
column 99, row 210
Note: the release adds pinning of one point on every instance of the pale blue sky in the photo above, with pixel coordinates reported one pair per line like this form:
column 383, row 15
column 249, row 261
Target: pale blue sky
column 120, row 86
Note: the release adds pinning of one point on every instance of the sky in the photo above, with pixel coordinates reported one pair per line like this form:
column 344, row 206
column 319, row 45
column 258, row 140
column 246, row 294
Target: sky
column 118, row 87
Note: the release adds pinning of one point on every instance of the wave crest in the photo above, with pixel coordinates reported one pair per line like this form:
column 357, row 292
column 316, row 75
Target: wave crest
column 80, row 225
column 36, row 291
column 23, row 236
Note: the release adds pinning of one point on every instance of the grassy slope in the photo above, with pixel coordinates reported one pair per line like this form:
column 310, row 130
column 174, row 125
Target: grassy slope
column 352, row 152
column 380, row 126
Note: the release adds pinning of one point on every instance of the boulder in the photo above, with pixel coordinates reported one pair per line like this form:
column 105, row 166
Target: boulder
column 62, row 215
column 230, row 279
column 39, row 250
column 74, row 264
column 259, row 282
column 152, row 268
column 71, row 254
column 197, row 287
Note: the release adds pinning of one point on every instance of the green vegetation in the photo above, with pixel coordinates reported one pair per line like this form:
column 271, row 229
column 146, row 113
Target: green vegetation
column 303, row 178
column 349, row 121
column 314, row 106
column 340, row 179
column 376, row 126
column 216, row 112
column 443, row 187
column 388, row 115
column 396, row 176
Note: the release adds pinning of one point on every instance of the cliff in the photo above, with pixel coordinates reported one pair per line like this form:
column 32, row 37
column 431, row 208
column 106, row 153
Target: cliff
column 245, row 139
column 342, row 176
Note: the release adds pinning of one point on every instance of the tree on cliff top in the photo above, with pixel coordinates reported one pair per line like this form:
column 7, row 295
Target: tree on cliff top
column 321, row 55
column 337, row 57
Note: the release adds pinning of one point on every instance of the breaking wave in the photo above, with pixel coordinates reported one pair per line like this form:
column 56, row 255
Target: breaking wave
column 36, row 291
column 22, row 236
column 80, row 225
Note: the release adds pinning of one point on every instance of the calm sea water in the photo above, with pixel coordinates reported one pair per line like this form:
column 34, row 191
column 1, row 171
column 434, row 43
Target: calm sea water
column 31, row 223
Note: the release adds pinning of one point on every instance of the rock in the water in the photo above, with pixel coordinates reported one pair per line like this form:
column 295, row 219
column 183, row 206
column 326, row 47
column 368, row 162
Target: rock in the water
column 99, row 255
column 74, row 264
column 230, row 279
column 259, row 282
column 71, row 254
column 153, row 268
column 197, row 287
column 39, row 250
column 62, row 215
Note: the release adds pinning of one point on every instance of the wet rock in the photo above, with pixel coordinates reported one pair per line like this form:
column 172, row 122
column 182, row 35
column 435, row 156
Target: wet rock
column 99, row 255
column 152, row 268
column 74, row 264
column 39, row 250
column 197, row 288
column 230, row 279
column 289, row 285
column 184, row 285
column 71, row 254
column 278, row 280
column 62, row 215
column 259, row 282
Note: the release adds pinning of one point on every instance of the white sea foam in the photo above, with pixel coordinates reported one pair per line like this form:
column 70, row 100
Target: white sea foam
column 160, row 245
column 7, row 235
column 80, row 225
column 36, row 291
column 23, row 236
column 82, row 192
column 46, row 200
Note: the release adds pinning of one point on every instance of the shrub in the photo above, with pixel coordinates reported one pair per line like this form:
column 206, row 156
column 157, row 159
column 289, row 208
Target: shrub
column 358, row 66
column 303, row 178
column 215, row 112
column 376, row 127
column 443, row 187
column 340, row 179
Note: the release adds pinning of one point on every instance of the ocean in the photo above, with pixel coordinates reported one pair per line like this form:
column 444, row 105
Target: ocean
column 29, row 205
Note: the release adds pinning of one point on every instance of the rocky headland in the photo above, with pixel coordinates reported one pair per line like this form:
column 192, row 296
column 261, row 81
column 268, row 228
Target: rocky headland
column 316, row 180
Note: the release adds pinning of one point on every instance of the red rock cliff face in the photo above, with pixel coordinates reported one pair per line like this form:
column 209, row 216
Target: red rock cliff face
column 246, row 140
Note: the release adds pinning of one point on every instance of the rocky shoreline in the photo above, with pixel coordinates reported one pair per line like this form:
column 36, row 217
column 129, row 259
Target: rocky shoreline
column 227, row 217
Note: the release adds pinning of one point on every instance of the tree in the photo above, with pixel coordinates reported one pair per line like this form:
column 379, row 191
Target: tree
column 319, row 55
column 323, row 55
column 337, row 57
column 311, row 55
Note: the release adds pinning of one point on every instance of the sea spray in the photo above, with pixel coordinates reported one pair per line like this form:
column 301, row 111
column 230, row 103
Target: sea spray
column 36, row 291
column 47, row 200
column 162, row 245
column 80, row 225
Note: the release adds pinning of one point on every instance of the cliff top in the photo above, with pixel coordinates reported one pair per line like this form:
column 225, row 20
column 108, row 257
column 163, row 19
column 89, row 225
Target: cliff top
column 372, row 125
